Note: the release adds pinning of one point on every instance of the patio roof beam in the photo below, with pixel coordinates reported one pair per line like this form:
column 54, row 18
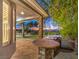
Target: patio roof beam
column 32, row 17
column 30, row 7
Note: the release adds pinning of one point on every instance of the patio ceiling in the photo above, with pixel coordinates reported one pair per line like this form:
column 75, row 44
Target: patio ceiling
column 28, row 13
column 31, row 9
column 36, row 6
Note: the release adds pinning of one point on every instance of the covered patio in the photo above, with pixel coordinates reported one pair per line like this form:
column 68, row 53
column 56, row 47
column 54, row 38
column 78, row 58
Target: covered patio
column 13, row 10
column 31, row 10
column 25, row 48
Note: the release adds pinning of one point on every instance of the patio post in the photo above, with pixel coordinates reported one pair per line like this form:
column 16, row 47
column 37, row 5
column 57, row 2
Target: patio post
column 11, row 21
column 22, row 29
column 41, row 27
column 14, row 22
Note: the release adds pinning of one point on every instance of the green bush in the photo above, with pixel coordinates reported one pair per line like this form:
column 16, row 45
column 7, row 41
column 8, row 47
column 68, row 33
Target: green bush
column 65, row 12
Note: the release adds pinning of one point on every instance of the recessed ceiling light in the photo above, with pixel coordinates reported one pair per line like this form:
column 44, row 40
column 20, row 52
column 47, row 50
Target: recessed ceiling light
column 22, row 13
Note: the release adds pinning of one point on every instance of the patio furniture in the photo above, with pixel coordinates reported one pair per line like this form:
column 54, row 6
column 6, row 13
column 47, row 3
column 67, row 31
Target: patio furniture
column 54, row 37
column 57, row 38
column 68, row 44
column 48, row 45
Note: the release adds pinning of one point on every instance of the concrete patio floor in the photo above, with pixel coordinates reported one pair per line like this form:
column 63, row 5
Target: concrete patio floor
column 66, row 55
column 26, row 50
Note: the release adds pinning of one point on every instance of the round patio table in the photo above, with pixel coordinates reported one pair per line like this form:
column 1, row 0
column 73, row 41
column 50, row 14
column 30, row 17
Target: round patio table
column 48, row 45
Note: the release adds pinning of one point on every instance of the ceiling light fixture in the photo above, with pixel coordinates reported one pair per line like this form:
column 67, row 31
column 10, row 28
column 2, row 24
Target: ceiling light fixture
column 22, row 13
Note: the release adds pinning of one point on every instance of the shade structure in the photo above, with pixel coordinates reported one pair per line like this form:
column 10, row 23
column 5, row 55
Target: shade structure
column 30, row 22
column 26, row 23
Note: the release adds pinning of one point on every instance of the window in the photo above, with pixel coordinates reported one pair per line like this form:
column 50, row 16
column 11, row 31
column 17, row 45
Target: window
column 6, row 25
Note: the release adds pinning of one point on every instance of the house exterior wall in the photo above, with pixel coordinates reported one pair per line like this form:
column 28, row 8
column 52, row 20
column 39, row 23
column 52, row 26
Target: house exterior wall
column 7, row 50
column 1, row 21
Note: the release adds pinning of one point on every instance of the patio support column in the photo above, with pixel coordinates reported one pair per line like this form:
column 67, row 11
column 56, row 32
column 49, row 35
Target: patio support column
column 22, row 29
column 41, row 27
column 11, row 21
column 14, row 22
